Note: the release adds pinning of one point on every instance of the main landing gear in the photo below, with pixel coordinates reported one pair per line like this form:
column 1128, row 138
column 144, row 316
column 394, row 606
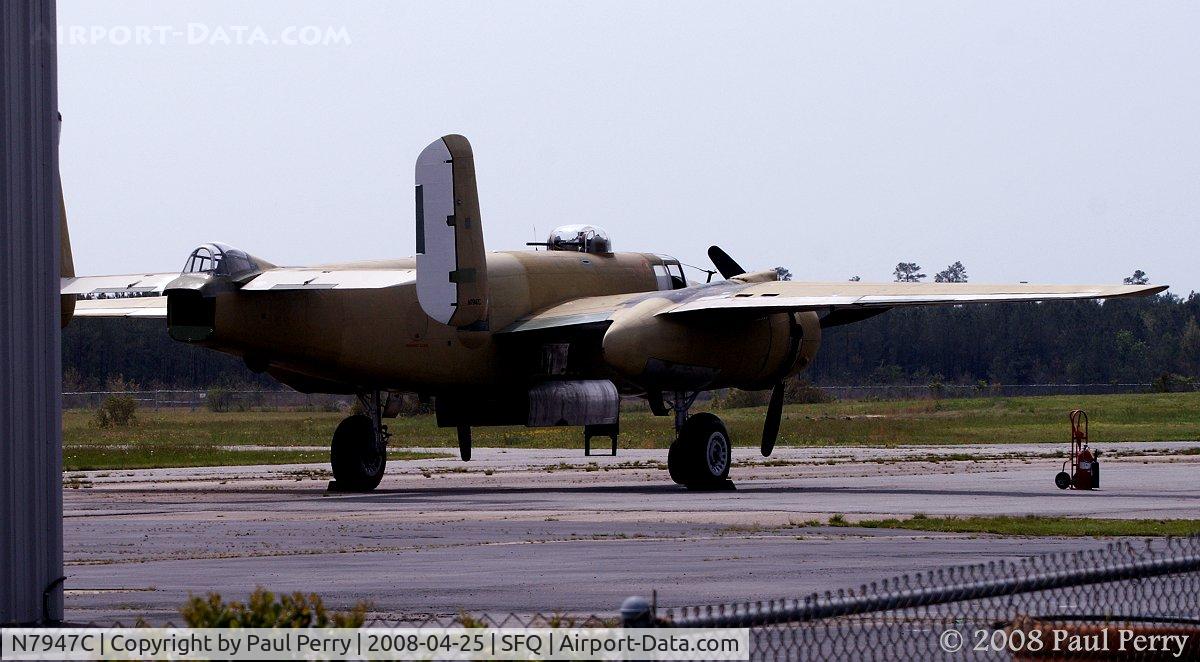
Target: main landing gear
column 702, row 452
column 359, row 450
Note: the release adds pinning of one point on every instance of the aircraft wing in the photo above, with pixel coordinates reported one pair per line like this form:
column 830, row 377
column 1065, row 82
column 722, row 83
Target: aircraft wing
column 291, row 278
column 145, row 306
column 841, row 302
column 141, row 295
column 576, row 313
column 784, row 296
column 132, row 295
column 101, row 287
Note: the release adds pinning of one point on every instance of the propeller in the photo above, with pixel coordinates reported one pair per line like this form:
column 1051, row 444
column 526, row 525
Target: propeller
column 724, row 264
column 730, row 268
column 771, row 425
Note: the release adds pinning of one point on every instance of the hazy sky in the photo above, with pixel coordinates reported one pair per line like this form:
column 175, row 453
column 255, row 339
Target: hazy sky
column 1039, row 141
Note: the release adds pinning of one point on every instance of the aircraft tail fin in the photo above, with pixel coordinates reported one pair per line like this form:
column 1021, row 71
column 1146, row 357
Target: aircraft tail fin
column 66, row 261
column 452, row 284
column 66, row 264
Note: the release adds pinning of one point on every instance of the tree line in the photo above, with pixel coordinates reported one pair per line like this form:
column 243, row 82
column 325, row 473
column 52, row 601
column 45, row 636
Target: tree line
column 1077, row 342
column 137, row 354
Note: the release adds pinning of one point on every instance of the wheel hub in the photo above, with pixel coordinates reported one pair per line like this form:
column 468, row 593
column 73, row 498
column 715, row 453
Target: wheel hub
column 371, row 461
column 717, row 453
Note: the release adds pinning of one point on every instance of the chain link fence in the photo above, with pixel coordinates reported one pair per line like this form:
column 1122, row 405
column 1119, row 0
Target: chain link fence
column 939, row 390
column 1129, row 600
column 217, row 399
column 1136, row 600
column 240, row 400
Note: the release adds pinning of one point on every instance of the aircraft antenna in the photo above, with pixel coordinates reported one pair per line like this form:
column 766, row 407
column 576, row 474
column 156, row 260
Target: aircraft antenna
column 710, row 272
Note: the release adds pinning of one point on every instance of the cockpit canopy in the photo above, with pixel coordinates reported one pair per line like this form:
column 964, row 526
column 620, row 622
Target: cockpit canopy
column 220, row 260
column 579, row 238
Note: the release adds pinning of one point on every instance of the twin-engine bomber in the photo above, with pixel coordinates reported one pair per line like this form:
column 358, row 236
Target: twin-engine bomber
column 548, row 337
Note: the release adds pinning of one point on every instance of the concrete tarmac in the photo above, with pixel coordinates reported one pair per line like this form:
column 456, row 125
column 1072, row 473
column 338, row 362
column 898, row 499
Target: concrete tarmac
column 551, row 531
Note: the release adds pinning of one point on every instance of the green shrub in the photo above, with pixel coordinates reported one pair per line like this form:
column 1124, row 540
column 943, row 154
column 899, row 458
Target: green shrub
column 408, row 404
column 264, row 611
column 218, row 399
column 1169, row 382
column 736, row 398
column 116, row 410
column 467, row 620
column 937, row 388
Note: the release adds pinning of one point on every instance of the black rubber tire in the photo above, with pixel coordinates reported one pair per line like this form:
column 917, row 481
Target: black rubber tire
column 676, row 463
column 703, row 452
column 358, row 465
column 1062, row 480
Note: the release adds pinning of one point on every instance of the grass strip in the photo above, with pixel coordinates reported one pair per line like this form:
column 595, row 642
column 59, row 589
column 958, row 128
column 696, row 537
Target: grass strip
column 1114, row 418
column 1035, row 525
column 172, row 455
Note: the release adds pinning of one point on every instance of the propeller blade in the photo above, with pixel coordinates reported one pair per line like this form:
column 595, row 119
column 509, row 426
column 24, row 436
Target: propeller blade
column 464, row 442
column 725, row 264
column 771, row 426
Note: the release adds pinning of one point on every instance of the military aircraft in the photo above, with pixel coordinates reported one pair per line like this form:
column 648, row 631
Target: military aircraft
column 548, row 337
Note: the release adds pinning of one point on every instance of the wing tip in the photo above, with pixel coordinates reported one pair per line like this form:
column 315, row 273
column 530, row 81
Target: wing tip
column 1146, row 290
column 1130, row 291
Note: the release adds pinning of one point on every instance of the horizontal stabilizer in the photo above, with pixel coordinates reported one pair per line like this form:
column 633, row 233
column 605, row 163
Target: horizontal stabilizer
column 104, row 287
column 153, row 307
column 329, row 279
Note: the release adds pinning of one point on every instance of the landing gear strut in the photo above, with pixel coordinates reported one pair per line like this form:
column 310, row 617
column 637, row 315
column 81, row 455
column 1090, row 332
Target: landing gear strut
column 702, row 452
column 359, row 450
column 464, row 442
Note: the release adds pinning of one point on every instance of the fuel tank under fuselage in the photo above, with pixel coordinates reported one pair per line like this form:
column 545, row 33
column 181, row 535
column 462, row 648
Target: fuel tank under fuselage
column 361, row 339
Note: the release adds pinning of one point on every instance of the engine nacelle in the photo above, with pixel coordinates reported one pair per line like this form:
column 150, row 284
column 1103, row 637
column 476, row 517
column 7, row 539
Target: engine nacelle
column 716, row 351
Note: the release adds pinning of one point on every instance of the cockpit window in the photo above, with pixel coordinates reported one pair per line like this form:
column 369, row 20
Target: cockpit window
column 200, row 261
column 669, row 274
column 580, row 238
column 219, row 260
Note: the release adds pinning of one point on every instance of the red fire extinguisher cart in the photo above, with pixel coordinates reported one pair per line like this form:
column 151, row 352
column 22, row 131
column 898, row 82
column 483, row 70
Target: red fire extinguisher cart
column 1084, row 473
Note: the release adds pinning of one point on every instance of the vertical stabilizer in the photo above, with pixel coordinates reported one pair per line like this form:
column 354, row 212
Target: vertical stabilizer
column 66, row 262
column 451, row 264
